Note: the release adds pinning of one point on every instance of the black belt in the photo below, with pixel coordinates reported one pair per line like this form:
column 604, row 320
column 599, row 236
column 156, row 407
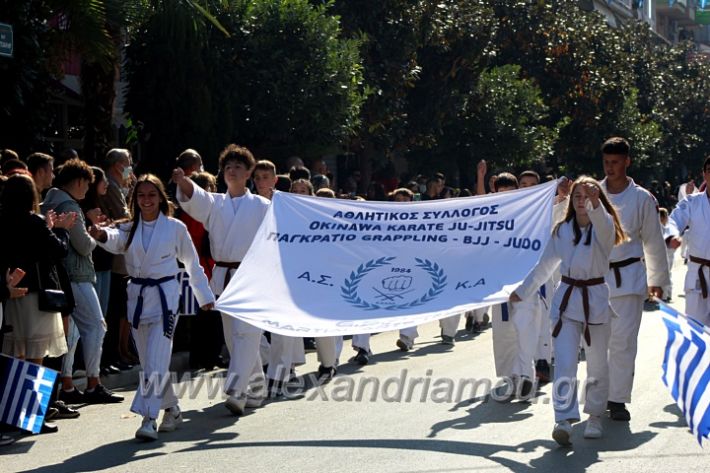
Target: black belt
column 168, row 317
column 615, row 265
column 703, row 283
column 228, row 265
column 584, row 285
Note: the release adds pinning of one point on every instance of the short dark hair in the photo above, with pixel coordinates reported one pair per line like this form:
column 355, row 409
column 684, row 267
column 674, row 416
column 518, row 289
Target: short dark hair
column 265, row 165
column 8, row 154
column 616, row 145
column 529, row 173
column 74, row 169
column 403, row 191
column 35, row 161
column 188, row 158
column 283, row 183
column 205, row 180
column 505, row 179
column 236, row 153
column 299, row 172
column 706, row 164
column 325, row 192
column 11, row 165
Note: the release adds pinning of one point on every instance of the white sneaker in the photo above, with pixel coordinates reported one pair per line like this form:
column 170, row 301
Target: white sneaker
column 172, row 418
column 562, row 432
column 254, row 401
column 236, row 404
column 593, row 429
column 148, row 430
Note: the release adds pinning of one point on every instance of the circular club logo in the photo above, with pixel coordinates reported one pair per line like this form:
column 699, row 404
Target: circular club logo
column 383, row 284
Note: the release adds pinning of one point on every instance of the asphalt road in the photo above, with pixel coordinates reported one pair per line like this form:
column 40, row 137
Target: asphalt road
column 418, row 429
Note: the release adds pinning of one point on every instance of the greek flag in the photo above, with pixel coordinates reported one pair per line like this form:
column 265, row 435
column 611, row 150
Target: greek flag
column 25, row 391
column 686, row 369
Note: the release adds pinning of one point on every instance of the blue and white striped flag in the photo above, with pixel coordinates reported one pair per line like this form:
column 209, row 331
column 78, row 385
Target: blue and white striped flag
column 686, row 369
column 25, row 391
column 188, row 303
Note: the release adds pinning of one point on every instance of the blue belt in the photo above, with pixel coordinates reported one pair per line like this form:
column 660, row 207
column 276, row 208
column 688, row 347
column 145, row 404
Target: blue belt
column 168, row 317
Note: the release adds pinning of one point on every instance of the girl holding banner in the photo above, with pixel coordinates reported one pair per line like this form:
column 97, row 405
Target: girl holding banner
column 153, row 241
column 581, row 245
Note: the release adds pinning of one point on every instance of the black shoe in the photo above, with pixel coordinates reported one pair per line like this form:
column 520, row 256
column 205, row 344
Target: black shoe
column 52, row 413
column 326, row 374
column 477, row 327
column 469, row 325
column 362, row 357
column 101, row 395
column 309, row 344
column 122, row 366
column 72, row 397
column 64, row 411
column 542, row 371
column 49, row 428
column 6, row 440
column 618, row 411
column 526, row 387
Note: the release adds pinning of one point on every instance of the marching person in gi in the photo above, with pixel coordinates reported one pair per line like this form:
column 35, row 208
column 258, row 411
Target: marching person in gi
column 691, row 217
column 152, row 243
column 630, row 280
column 581, row 245
column 232, row 220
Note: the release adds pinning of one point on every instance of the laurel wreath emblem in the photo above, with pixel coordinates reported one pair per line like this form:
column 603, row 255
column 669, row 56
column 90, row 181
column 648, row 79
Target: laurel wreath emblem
column 349, row 293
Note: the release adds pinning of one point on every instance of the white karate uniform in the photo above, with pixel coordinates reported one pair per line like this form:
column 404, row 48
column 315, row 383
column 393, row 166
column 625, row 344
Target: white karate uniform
column 694, row 212
column 517, row 341
column 169, row 242
column 638, row 211
column 669, row 230
column 232, row 223
column 580, row 262
column 450, row 325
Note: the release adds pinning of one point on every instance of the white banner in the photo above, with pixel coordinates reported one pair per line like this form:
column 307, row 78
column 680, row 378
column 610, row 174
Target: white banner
column 320, row 267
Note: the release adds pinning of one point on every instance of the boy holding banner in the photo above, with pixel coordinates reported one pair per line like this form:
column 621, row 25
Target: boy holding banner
column 232, row 220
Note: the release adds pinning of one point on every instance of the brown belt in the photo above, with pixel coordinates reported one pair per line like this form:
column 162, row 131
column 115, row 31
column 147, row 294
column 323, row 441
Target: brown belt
column 584, row 285
column 615, row 265
column 703, row 283
column 228, row 274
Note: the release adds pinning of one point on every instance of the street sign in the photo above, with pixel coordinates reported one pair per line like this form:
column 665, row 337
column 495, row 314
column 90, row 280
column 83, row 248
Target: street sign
column 6, row 41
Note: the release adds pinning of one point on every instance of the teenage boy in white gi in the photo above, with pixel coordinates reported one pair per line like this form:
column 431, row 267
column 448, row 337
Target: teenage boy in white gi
column 629, row 279
column 232, row 220
column 691, row 217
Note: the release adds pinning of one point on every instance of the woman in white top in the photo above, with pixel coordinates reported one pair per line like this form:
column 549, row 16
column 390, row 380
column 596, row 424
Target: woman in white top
column 153, row 242
column 581, row 245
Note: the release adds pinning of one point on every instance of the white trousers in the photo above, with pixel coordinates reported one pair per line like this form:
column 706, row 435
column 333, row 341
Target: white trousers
column 362, row 340
column 505, row 342
column 328, row 350
column 450, row 325
column 623, row 344
column 526, row 318
column 281, row 356
column 544, row 340
column 564, row 390
column 154, row 351
column 245, row 365
column 697, row 307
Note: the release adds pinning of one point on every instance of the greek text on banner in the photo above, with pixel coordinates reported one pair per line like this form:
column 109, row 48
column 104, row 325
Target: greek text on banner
column 323, row 267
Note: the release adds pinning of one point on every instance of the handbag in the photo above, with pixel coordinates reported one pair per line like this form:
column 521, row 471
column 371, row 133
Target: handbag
column 50, row 300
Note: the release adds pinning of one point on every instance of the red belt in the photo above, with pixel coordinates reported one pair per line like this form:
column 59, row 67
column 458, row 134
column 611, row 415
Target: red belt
column 584, row 285
column 703, row 283
column 227, row 274
column 615, row 265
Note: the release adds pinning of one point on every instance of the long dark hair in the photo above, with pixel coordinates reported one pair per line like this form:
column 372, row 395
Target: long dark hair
column 19, row 196
column 133, row 209
column 91, row 201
